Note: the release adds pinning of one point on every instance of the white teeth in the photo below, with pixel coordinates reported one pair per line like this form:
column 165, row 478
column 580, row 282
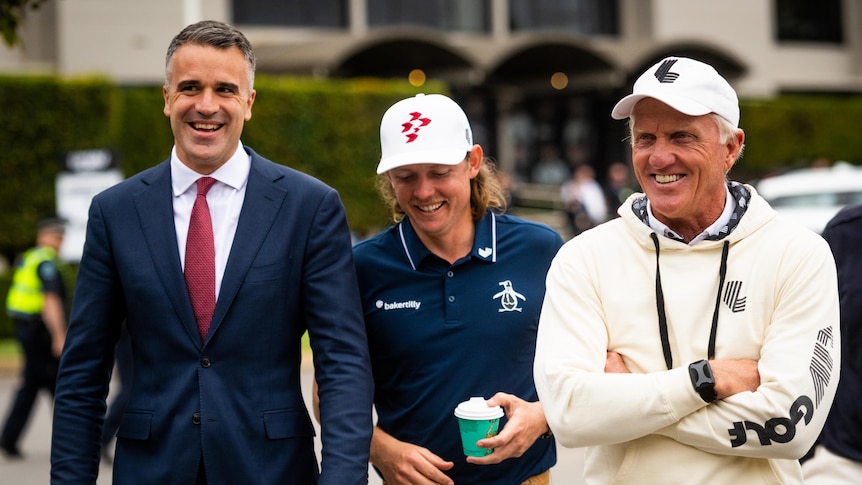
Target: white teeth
column 201, row 126
column 665, row 179
column 430, row 208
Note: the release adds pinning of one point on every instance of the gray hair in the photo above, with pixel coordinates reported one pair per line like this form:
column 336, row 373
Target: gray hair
column 213, row 34
column 727, row 132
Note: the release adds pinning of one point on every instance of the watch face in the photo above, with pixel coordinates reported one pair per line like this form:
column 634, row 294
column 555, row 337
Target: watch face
column 702, row 380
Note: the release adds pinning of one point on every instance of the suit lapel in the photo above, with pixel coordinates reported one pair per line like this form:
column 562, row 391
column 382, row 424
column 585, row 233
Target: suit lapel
column 156, row 212
column 263, row 200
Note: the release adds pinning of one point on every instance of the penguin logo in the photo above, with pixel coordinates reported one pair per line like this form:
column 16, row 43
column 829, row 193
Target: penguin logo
column 509, row 298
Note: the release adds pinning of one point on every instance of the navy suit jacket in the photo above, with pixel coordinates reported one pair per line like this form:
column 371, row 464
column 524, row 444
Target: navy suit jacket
column 236, row 398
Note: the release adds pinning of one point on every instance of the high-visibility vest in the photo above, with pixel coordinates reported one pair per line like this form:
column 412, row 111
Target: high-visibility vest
column 25, row 295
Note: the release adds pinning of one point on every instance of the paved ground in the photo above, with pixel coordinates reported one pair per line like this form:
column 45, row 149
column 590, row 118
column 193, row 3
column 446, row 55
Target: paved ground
column 36, row 444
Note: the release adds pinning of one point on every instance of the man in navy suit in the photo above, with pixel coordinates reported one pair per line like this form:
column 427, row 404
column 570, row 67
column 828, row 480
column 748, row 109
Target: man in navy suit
column 223, row 405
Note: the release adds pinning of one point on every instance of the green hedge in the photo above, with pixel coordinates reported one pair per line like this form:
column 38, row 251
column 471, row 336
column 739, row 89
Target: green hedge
column 41, row 119
column 330, row 130
column 793, row 131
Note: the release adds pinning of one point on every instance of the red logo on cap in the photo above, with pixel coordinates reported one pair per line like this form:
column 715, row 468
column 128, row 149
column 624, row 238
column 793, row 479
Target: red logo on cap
column 413, row 127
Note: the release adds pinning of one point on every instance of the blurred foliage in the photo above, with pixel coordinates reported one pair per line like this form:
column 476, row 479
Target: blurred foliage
column 42, row 119
column 11, row 13
column 794, row 131
column 330, row 130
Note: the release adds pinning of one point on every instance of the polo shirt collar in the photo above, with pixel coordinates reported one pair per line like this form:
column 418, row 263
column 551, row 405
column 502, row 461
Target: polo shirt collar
column 484, row 241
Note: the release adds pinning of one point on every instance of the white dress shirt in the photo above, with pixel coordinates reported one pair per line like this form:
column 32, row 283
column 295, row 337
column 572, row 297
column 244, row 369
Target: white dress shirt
column 224, row 199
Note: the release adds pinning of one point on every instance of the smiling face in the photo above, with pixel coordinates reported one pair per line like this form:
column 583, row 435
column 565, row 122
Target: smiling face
column 208, row 99
column 436, row 198
column 681, row 162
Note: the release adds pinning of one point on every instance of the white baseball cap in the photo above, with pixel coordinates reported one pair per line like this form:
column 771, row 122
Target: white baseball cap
column 686, row 85
column 424, row 129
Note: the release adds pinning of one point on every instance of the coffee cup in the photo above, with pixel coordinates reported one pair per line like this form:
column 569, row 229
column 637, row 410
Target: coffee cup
column 477, row 421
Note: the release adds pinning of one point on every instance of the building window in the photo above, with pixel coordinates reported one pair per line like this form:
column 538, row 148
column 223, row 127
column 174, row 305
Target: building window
column 587, row 17
column 807, row 21
column 295, row 13
column 446, row 15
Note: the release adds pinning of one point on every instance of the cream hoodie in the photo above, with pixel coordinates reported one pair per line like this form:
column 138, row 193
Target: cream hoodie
column 778, row 305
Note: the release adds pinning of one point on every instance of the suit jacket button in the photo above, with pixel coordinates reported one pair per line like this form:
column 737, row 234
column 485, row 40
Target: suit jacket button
column 206, row 362
column 196, row 418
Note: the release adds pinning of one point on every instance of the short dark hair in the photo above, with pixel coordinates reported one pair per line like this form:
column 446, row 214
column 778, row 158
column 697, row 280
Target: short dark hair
column 52, row 224
column 214, row 34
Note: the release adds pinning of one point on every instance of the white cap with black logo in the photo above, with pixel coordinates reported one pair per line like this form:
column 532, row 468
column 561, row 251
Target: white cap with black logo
column 686, row 85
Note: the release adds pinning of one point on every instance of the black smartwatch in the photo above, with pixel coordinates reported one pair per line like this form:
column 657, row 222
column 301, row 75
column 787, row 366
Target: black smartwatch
column 703, row 380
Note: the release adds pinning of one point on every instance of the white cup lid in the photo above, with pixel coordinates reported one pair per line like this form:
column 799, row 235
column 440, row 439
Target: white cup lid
column 477, row 408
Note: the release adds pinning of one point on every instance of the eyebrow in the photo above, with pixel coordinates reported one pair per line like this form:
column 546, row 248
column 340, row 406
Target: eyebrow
column 195, row 82
column 231, row 86
column 188, row 82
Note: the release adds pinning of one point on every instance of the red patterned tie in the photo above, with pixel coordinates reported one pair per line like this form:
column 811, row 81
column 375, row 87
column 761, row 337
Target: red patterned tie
column 200, row 259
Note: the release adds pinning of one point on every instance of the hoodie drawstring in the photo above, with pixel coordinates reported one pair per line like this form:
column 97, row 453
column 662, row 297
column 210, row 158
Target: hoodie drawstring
column 722, row 272
column 662, row 315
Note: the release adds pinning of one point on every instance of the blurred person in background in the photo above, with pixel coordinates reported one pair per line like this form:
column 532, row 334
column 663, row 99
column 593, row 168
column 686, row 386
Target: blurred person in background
column 618, row 187
column 550, row 169
column 583, row 200
column 36, row 302
column 837, row 457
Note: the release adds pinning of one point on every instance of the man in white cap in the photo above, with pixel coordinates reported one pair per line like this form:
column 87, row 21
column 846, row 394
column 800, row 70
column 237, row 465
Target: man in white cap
column 694, row 339
column 451, row 295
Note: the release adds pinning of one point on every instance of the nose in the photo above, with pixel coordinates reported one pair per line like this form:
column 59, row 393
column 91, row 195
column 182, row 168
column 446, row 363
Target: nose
column 424, row 188
column 661, row 154
column 206, row 103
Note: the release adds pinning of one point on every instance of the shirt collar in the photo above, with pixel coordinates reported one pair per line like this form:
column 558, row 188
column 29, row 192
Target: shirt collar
column 233, row 173
column 712, row 230
column 484, row 242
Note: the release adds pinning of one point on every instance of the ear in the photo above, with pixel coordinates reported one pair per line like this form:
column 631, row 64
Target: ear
column 474, row 161
column 734, row 147
column 249, row 103
column 167, row 108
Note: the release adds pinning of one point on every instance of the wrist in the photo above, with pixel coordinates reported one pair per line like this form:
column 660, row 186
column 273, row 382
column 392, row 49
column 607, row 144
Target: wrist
column 703, row 380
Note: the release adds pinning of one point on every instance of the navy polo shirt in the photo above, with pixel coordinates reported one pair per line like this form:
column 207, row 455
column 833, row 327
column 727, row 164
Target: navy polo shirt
column 440, row 334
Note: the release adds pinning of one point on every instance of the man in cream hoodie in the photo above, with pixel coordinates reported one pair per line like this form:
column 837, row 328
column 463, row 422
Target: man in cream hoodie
column 695, row 339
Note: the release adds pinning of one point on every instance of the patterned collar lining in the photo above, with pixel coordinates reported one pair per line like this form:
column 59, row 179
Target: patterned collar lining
column 741, row 195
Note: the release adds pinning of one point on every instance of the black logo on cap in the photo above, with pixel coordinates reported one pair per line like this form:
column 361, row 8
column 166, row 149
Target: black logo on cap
column 663, row 73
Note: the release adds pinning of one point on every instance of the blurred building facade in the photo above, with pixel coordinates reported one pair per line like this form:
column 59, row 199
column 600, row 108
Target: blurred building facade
column 537, row 77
